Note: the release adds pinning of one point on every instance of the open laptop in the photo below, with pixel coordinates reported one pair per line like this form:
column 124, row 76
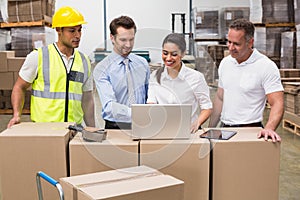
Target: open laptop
column 161, row 121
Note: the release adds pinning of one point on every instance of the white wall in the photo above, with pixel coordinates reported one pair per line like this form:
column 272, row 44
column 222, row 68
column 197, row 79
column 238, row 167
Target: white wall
column 92, row 32
column 152, row 17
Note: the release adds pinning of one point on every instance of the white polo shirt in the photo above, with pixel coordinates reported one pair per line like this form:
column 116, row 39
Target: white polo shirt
column 189, row 87
column 28, row 71
column 246, row 86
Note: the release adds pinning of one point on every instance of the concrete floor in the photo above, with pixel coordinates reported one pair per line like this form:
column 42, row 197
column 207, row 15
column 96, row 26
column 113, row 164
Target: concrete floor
column 289, row 180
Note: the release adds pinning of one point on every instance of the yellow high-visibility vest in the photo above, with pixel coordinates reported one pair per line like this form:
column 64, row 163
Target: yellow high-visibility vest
column 56, row 94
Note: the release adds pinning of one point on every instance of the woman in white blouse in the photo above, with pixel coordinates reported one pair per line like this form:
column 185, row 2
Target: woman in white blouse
column 174, row 83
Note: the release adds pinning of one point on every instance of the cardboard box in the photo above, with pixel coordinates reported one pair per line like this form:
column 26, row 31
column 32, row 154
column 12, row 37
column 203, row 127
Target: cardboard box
column 128, row 183
column 15, row 63
column 27, row 11
column 7, row 80
column 245, row 167
column 16, row 76
column 187, row 160
column 117, row 151
column 30, row 147
column 3, row 57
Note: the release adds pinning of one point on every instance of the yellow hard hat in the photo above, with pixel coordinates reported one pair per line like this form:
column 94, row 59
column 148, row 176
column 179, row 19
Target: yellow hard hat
column 66, row 17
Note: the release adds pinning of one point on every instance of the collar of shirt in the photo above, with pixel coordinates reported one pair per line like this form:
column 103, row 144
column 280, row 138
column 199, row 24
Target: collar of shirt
column 63, row 55
column 118, row 58
column 253, row 57
column 68, row 62
column 181, row 73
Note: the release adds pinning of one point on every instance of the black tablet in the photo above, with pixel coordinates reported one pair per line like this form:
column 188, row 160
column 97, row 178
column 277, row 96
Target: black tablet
column 218, row 134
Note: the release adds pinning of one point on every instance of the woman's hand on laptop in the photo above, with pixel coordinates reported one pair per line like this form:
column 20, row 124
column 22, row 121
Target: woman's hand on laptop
column 195, row 126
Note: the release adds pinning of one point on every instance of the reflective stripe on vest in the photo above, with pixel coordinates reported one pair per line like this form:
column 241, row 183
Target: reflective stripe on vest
column 57, row 95
column 85, row 66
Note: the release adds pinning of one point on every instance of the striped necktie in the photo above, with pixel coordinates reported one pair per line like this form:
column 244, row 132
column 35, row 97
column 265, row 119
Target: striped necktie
column 130, row 88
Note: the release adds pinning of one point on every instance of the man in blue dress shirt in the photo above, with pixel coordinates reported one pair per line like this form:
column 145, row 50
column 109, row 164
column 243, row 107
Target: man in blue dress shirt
column 111, row 79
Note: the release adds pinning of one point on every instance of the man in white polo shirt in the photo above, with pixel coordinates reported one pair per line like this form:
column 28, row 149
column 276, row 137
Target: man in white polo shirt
column 247, row 79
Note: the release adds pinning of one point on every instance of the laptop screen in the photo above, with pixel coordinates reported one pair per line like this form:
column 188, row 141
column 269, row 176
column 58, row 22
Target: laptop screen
column 161, row 121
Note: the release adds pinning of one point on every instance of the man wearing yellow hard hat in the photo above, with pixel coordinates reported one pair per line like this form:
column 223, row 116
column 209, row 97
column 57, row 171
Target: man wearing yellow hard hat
column 60, row 77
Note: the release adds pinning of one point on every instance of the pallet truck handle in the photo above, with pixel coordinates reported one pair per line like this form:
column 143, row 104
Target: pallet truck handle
column 50, row 180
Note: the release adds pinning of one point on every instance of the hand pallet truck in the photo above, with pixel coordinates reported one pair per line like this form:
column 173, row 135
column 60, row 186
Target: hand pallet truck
column 50, row 180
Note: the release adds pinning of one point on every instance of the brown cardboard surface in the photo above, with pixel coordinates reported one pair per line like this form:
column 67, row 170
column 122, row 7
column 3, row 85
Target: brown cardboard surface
column 24, row 11
column 160, row 187
column 15, row 63
column 187, row 160
column 139, row 182
column 117, row 151
column 3, row 57
column 30, row 147
column 71, row 184
column 16, row 75
column 245, row 167
column 7, row 80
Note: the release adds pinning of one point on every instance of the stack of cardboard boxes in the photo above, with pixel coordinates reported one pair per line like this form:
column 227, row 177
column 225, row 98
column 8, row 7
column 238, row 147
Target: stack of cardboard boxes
column 28, row 148
column 292, row 97
column 24, row 36
column 290, row 45
column 291, row 83
column 9, row 71
column 229, row 14
column 206, row 64
column 207, row 23
column 288, row 50
column 120, row 168
column 7, row 76
column 30, row 10
column 212, row 23
column 272, row 11
column 271, row 19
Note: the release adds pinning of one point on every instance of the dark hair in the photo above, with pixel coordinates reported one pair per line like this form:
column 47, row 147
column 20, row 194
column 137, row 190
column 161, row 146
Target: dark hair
column 177, row 39
column 122, row 21
column 243, row 24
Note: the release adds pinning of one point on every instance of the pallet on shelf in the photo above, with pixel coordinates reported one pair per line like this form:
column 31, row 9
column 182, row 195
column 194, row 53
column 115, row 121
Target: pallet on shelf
column 199, row 39
column 290, row 79
column 47, row 21
column 290, row 126
column 289, row 73
column 291, row 24
column 291, row 122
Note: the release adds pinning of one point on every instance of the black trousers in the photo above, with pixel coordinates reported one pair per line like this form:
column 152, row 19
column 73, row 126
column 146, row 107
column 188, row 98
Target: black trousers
column 255, row 124
column 117, row 125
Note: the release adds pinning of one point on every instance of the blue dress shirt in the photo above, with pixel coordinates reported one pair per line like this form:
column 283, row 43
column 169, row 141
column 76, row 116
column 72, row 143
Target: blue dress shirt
column 111, row 84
